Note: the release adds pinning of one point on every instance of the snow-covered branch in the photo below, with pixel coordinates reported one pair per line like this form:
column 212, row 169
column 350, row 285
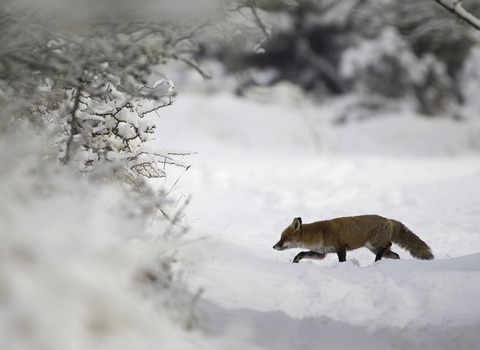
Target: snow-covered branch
column 455, row 6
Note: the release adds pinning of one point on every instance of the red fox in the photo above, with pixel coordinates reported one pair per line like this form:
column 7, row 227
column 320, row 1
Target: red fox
column 348, row 233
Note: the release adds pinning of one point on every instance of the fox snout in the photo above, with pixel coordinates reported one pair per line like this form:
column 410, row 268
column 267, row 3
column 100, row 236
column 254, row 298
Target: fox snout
column 278, row 246
column 283, row 245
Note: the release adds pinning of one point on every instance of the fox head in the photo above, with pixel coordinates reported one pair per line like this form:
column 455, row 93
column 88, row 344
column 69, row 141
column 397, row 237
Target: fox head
column 290, row 236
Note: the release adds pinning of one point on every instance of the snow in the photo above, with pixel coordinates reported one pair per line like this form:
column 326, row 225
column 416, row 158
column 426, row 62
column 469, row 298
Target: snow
column 73, row 253
column 126, row 131
column 259, row 165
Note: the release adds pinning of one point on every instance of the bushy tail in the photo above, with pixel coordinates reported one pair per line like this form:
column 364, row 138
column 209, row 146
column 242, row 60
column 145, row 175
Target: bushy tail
column 411, row 242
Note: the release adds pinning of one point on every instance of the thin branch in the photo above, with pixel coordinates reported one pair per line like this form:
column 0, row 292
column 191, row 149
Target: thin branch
column 76, row 103
column 457, row 8
column 205, row 75
column 267, row 32
column 189, row 35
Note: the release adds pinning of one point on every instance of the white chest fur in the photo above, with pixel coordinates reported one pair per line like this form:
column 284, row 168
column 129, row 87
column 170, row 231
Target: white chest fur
column 319, row 248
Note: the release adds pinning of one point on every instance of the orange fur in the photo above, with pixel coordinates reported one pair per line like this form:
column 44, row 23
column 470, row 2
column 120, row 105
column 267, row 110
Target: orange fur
column 348, row 233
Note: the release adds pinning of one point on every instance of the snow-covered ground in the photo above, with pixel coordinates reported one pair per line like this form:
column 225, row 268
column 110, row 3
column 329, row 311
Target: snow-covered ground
column 261, row 164
column 78, row 271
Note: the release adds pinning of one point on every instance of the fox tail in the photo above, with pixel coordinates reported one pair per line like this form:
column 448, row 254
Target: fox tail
column 411, row 242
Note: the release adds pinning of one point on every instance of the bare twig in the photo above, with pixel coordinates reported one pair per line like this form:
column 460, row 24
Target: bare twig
column 267, row 32
column 455, row 6
column 205, row 75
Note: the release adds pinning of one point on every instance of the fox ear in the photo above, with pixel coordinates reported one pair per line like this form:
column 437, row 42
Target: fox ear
column 296, row 224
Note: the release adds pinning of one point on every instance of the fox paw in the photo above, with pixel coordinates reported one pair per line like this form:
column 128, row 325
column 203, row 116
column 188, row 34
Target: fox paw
column 297, row 258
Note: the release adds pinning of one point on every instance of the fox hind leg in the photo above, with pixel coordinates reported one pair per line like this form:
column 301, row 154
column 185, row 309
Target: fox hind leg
column 384, row 252
column 308, row 255
column 391, row 255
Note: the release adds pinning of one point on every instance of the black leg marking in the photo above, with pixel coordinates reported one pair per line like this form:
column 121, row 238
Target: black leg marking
column 342, row 254
column 308, row 255
column 383, row 251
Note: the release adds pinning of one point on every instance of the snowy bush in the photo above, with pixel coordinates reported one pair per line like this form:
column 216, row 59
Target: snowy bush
column 386, row 66
column 79, row 266
column 90, row 88
column 412, row 51
column 381, row 66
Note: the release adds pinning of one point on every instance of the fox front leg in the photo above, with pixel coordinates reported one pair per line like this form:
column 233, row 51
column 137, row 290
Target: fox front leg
column 342, row 254
column 308, row 255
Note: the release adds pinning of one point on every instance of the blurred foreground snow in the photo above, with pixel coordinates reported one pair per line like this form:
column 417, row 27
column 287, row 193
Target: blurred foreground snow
column 78, row 269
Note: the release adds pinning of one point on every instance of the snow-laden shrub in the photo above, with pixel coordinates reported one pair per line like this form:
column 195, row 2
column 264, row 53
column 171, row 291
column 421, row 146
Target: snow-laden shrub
column 80, row 267
column 386, row 66
column 87, row 253
column 92, row 91
column 91, row 88
column 112, row 130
